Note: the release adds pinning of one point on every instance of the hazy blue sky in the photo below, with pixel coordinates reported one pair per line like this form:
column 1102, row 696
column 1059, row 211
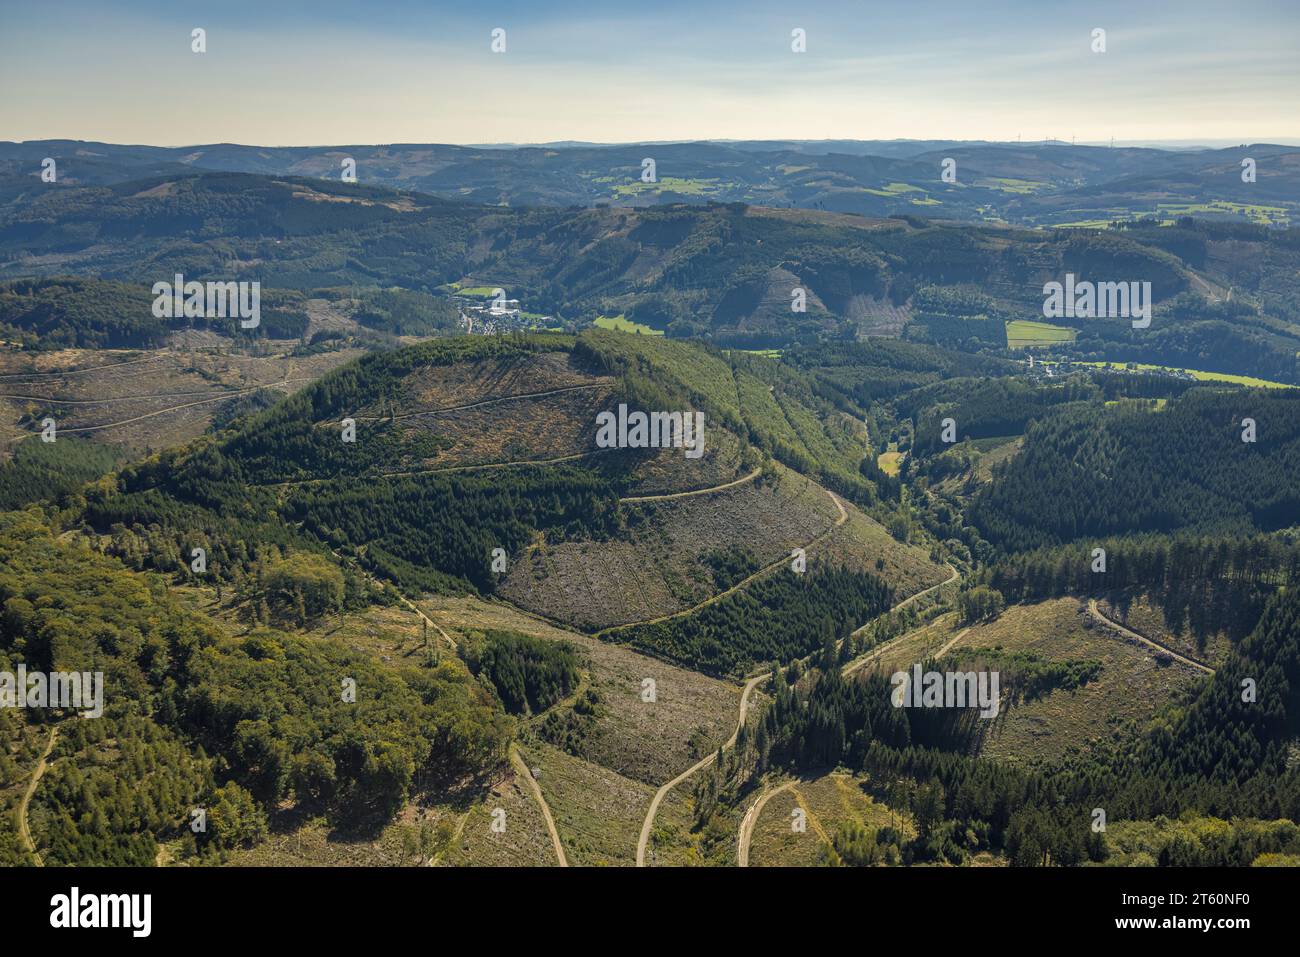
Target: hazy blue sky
column 285, row 72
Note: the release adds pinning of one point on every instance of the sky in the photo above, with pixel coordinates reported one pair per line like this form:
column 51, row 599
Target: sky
column 286, row 73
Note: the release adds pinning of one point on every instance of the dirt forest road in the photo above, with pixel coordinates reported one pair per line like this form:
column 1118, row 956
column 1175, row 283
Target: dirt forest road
column 668, row 496
column 648, row 825
column 521, row 767
column 24, row 831
column 1096, row 613
column 743, row 583
column 751, row 818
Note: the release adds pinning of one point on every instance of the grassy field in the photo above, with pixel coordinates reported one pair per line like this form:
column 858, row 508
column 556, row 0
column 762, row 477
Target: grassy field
column 621, row 324
column 890, row 462
column 1006, row 184
column 478, row 292
column 667, row 184
column 1264, row 215
column 1196, row 374
column 1024, row 332
column 893, row 189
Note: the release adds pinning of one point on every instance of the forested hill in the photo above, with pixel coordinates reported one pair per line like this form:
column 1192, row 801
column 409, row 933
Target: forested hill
column 197, row 716
column 421, row 499
column 1090, row 473
column 750, row 277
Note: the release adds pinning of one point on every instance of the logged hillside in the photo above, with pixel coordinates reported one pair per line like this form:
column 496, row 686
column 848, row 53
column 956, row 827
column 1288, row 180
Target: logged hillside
column 467, row 446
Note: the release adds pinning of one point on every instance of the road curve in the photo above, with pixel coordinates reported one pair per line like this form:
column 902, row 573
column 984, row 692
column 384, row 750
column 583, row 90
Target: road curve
column 699, row 491
column 743, row 583
column 911, row 598
column 648, row 824
column 704, row 762
column 751, row 818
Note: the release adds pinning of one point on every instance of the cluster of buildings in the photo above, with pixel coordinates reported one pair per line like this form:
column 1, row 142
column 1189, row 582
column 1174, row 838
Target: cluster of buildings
column 1063, row 367
column 491, row 316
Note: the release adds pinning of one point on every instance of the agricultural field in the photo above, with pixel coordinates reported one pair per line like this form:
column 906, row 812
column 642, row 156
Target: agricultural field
column 893, row 189
column 666, row 184
column 1197, row 374
column 1007, row 184
column 1264, row 215
column 621, row 324
column 1022, row 333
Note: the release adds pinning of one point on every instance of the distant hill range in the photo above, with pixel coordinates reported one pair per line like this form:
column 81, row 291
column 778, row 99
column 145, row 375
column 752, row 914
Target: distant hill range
column 1226, row 294
column 1046, row 183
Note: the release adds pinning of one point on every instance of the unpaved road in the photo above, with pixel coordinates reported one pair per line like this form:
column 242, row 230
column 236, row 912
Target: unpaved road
column 1096, row 613
column 911, row 598
column 699, row 491
column 648, row 825
column 482, row 402
column 751, row 818
column 187, row 405
column 521, row 767
column 428, row 621
column 24, row 832
column 743, row 583
column 524, row 463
